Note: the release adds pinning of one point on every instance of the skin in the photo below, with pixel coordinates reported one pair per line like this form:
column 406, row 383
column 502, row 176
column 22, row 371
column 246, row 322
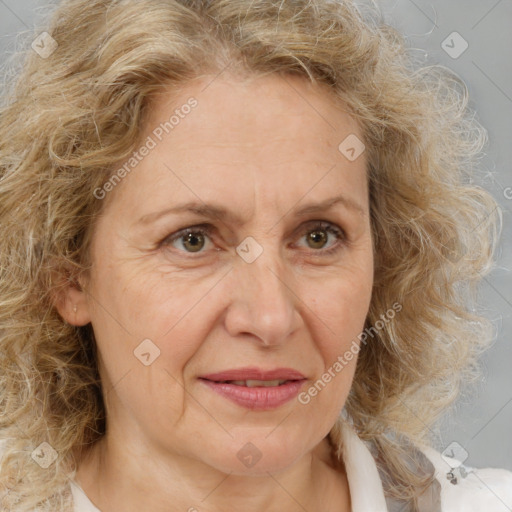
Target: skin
column 261, row 148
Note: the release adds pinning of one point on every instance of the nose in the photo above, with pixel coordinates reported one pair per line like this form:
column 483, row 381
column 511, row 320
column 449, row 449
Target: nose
column 263, row 303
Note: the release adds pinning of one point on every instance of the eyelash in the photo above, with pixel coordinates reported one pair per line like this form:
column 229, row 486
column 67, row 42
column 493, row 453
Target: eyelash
column 207, row 229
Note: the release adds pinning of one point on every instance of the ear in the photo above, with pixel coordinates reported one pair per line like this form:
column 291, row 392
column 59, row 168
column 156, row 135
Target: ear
column 70, row 299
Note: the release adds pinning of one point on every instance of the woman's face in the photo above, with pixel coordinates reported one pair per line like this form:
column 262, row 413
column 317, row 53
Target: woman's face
column 279, row 280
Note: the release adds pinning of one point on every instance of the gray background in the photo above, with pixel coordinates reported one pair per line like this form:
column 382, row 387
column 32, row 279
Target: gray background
column 481, row 422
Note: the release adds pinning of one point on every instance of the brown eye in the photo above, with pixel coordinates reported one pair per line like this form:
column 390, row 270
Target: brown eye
column 194, row 241
column 317, row 238
column 190, row 240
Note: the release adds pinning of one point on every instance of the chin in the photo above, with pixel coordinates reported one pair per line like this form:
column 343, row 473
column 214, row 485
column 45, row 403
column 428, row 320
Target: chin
column 258, row 456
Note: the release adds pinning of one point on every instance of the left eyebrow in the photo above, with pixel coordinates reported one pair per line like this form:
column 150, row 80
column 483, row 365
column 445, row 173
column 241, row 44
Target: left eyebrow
column 327, row 204
column 216, row 211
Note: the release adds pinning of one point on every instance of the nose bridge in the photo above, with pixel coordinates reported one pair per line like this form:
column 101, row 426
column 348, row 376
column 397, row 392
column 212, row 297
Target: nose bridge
column 263, row 303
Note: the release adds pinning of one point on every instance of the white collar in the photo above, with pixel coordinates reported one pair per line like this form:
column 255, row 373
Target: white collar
column 366, row 492
column 364, row 482
column 81, row 502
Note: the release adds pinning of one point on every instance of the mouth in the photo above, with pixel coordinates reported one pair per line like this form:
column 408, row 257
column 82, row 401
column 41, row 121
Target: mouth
column 249, row 375
column 256, row 389
column 253, row 383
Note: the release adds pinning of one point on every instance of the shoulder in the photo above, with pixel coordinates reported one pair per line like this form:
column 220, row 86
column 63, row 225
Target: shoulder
column 455, row 488
column 467, row 489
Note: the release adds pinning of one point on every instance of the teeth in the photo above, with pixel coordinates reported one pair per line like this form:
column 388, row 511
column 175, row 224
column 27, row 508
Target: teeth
column 256, row 383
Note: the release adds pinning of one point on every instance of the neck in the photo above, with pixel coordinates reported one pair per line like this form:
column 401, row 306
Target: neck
column 121, row 476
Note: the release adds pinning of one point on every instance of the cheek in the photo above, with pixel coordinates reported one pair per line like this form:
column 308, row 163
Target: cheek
column 147, row 302
column 339, row 306
column 138, row 306
column 131, row 305
column 338, row 315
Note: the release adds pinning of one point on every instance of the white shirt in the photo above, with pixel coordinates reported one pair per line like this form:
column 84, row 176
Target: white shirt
column 476, row 490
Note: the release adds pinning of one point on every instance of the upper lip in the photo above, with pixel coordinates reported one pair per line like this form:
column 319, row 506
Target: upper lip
column 255, row 374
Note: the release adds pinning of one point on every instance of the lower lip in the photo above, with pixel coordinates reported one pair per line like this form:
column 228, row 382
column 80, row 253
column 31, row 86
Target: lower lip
column 258, row 398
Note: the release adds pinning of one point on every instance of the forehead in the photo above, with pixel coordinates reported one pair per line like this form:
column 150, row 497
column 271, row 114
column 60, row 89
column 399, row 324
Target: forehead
column 264, row 136
column 241, row 106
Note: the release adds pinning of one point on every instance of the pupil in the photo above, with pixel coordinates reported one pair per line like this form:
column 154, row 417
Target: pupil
column 318, row 236
column 192, row 238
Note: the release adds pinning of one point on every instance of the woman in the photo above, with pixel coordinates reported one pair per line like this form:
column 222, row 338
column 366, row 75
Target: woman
column 234, row 238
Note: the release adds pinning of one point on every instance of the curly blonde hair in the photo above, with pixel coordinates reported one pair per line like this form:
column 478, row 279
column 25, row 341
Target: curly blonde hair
column 68, row 119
